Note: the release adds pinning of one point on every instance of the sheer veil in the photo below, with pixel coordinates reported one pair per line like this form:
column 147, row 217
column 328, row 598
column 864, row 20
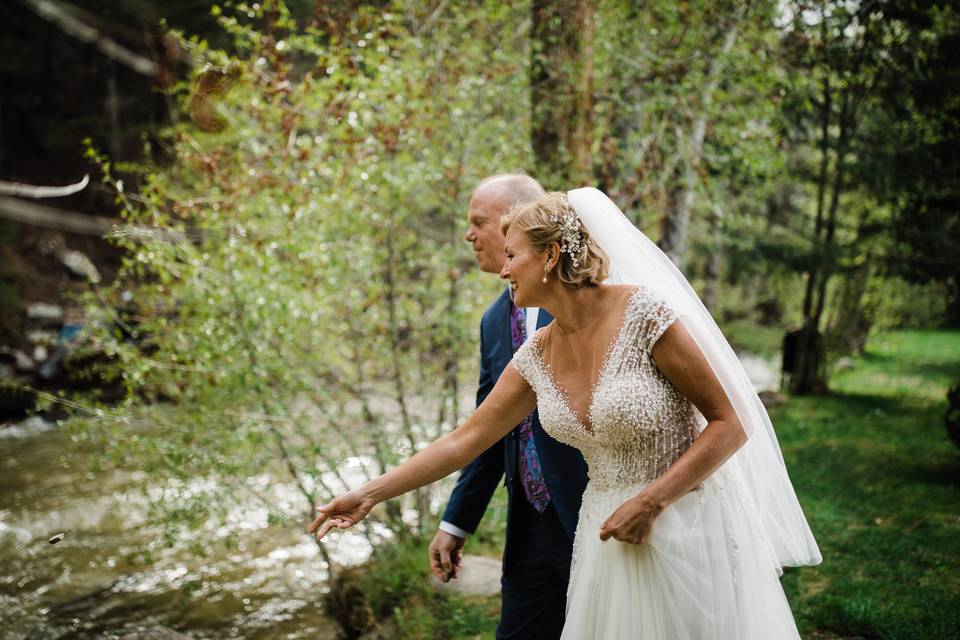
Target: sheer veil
column 758, row 466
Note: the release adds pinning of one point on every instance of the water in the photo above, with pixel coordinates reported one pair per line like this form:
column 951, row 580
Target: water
column 95, row 584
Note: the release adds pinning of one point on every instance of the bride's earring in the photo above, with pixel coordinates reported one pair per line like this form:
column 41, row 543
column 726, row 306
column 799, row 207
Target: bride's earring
column 546, row 268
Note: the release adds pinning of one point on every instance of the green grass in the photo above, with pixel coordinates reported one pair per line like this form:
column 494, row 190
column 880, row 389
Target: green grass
column 879, row 480
column 747, row 335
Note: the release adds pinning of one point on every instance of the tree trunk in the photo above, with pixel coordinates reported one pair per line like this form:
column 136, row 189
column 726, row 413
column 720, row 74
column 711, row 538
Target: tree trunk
column 850, row 325
column 112, row 104
column 65, row 17
column 680, row 200
column 953, row 302
column 561, row 86
column 711, row 286
column 804, row 361
column 803, row 351
column 810, row 374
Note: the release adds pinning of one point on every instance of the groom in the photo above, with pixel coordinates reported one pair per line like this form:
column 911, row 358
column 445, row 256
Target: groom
column 545, row 479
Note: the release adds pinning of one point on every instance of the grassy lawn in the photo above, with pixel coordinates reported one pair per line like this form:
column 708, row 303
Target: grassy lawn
column 749, row 336
column 877, row 477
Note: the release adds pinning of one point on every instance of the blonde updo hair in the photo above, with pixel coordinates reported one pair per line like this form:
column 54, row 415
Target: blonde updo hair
column 537, row 220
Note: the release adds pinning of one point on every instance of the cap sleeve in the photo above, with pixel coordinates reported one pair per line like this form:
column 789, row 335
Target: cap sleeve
column 653, row 316
column 523, row 360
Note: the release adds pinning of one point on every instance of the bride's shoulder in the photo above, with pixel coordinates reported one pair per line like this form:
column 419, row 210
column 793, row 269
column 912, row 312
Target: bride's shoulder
column 623, row 292
column 642, row 302
column 625, row 295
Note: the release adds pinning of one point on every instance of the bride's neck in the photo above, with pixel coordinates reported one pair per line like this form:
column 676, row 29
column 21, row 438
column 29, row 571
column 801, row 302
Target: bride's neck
column 576, row 309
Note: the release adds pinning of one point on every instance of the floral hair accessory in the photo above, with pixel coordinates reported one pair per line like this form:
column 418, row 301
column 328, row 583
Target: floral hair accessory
column 571, row 238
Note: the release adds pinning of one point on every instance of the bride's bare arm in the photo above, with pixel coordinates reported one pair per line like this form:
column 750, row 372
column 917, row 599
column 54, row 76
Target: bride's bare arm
column 679, row 359
column 510, row 400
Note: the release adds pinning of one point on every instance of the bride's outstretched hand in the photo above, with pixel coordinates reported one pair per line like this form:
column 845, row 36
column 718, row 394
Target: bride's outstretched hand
column 342, row 512
column 632, row 521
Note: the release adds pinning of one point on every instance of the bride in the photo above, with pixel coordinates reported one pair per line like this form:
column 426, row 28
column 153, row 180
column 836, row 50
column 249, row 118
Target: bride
column 689, row 515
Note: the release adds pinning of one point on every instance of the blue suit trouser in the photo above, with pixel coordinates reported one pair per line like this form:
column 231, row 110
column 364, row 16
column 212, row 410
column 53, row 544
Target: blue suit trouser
column 535, row 574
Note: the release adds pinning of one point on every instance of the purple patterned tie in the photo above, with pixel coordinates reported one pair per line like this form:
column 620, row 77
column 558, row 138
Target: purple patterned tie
column 531, row 475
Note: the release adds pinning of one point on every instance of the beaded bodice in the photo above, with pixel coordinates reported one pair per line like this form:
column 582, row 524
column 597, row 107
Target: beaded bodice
column 638, row 423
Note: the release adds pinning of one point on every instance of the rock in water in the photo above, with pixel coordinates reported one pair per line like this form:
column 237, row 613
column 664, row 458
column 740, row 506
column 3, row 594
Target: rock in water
column 40, row 353
column 46, row 315
column 24, row 362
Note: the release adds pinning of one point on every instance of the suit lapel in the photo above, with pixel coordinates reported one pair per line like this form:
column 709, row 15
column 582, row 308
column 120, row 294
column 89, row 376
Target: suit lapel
column 543, row 318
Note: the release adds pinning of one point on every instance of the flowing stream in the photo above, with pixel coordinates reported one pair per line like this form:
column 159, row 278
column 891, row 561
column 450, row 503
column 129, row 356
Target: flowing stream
column 94, row 583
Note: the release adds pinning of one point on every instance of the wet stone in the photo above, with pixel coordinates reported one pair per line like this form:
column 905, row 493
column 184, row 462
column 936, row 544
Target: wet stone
column 43, row 314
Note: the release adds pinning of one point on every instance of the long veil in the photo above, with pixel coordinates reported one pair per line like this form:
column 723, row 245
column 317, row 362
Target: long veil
column 635, row 259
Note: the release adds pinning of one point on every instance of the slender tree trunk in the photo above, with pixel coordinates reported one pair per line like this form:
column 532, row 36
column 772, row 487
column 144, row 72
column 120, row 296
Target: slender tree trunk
column 711, row 287
column 561, row 85
column 66, row 18
column 850, row 325
column 803, row 353
column 839, row 174
column 680, row 202
column 813, row 272
column 810, row 374
column 113, row 111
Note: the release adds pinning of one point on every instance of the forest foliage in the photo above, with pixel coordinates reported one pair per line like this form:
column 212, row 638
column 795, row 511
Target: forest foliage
column 296, row 295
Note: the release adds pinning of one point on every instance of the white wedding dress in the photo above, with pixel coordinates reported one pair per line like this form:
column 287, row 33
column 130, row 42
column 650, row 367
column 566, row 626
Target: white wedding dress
column 707, row 570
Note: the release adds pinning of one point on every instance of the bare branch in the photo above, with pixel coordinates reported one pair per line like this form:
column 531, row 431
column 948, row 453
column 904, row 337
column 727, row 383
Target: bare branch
column 51, row 218
column 31, row 191
column 64, row 16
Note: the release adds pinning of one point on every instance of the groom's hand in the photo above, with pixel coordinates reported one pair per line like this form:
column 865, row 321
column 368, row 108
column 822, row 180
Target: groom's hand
column 445, row 555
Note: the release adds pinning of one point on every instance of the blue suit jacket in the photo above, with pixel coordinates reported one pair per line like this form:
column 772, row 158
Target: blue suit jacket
column 564, row 469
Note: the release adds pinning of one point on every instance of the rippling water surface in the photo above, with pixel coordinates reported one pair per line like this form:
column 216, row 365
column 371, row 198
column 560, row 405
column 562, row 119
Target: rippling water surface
column 95, row 584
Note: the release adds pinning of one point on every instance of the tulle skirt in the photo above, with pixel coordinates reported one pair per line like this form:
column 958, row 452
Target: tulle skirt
column 705, row 572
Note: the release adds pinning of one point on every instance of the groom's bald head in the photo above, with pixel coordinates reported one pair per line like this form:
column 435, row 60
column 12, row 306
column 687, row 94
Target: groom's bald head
column 509, row 188
column 491, row 199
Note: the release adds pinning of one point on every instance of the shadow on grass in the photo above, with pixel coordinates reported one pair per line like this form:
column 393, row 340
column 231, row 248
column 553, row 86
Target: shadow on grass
column 946, row 472
column 927, row 368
